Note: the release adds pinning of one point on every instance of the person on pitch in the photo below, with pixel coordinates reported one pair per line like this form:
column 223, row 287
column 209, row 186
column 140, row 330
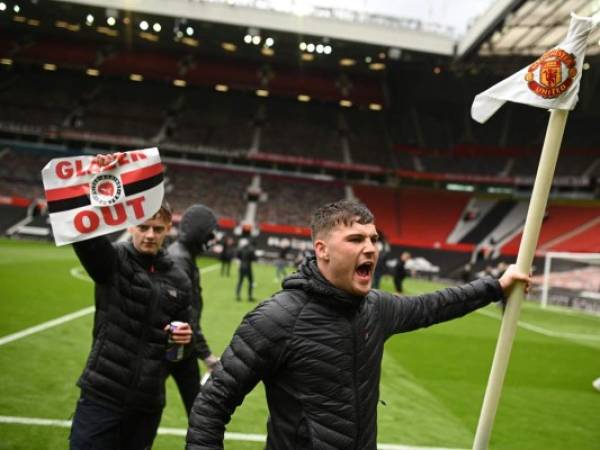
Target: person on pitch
column 317, row 345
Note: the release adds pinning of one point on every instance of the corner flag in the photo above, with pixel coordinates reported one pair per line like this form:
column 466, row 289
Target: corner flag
column 551, row 82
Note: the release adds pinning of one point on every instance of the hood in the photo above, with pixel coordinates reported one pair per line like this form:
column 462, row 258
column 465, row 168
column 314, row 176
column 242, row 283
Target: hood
column 196, row 227
column 309, row 279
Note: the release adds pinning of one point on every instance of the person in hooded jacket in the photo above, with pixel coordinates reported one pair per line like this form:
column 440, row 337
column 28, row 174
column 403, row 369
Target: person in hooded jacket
column 196, row 229
column 317, row 345
column 138, row 292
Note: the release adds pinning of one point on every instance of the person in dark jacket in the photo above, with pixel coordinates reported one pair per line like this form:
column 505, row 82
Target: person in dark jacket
column 317, row 345
column 196, row 229
column 227, row 255
column 138, row 293
column 247, row 256
column 400, row 272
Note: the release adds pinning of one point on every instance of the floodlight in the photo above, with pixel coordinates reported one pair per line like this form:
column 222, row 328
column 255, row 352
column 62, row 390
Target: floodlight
column 256, row 40
column 327, row 50
column 144, row 25
column 2, row 6
column 16, row 9
column 320, row 48
column 302, row 46
column 89, row 19
column 269, row 42
column 156, row 27
column 310, row 47
column 189, row 31
column 111, row 21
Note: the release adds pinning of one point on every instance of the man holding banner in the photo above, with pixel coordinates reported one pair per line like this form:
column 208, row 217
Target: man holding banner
column 138, row 293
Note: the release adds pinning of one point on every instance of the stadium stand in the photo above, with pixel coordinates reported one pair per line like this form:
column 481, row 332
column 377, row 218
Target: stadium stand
column 415, row 217
column 10, row 215
column 562, row 220
column 290, row 201
column 223, row 191
column 368, row 138
column 221, row 121
column 301, row 129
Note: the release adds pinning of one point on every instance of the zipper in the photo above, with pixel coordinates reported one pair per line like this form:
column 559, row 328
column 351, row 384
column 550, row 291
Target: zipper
column 145, row 326
column 355, row 382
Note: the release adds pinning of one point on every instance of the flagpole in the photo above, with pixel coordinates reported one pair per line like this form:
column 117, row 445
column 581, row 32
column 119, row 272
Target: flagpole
column 531, row 232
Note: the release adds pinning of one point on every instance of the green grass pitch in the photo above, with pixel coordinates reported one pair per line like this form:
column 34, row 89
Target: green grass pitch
column 433, row 380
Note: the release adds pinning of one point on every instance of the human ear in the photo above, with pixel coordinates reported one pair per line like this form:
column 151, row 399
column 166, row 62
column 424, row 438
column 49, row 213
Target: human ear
column 321, row 250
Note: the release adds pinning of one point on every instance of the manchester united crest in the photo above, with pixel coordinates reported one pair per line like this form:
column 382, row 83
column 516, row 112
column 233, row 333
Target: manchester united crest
column 552, row 74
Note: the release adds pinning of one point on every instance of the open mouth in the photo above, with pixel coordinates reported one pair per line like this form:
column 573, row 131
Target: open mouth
column 364, row 270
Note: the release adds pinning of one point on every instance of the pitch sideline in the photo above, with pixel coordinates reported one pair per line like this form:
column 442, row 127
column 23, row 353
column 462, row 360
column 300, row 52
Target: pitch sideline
column 229, row 436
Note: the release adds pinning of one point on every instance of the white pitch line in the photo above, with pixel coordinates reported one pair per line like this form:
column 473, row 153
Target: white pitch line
column 76, row 273
column 183, row 431
column 44, row 326
column 545, row 331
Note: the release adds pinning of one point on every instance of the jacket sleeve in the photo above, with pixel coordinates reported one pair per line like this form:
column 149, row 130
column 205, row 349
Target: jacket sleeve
column 255, row 351
column 409, row 313
column 200, row 344
column 98, row 257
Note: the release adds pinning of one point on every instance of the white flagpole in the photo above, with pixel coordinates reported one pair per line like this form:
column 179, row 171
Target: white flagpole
column 531, row 233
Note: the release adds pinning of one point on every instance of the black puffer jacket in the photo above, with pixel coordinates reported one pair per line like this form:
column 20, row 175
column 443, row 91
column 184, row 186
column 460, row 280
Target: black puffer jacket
column 136, row 296
column 318, row 352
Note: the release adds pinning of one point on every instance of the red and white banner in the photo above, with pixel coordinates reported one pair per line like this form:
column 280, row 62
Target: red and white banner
column 85, row 200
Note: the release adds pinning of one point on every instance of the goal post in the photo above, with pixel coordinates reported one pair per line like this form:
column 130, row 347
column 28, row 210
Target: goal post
column 569, row 271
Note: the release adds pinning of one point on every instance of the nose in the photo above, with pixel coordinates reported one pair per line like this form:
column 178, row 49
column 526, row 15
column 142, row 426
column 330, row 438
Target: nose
column 370, row 247
column 150, row 232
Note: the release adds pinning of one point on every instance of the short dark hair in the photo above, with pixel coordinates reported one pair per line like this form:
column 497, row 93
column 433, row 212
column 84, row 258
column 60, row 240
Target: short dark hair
column 328, row 216
column 165, row 212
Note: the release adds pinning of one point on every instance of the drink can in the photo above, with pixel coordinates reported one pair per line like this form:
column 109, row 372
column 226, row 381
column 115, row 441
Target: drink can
column 174, row 351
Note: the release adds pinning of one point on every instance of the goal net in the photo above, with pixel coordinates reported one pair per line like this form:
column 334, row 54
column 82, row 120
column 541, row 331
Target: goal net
column 572, row 280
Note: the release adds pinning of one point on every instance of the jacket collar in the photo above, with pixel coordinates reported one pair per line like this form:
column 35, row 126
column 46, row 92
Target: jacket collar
column 310, row 279
column 159, row 262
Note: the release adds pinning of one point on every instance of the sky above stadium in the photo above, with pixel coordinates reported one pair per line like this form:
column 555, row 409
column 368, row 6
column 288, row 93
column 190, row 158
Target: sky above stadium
column 457, row 14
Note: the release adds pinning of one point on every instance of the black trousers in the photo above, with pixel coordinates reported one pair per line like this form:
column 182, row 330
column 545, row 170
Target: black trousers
column 100, row 426
column 186, row 374
column 244, row 273
column 398, row 281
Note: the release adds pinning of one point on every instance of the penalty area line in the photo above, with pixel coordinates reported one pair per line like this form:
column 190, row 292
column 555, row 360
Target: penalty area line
column 229, row 436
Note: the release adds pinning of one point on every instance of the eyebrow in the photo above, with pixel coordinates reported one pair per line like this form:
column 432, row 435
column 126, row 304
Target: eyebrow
column 361, row 235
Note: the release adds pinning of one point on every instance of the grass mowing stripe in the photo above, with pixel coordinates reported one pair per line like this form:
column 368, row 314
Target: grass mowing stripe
column 75, row 272
column 183, row 431
column 545, row 331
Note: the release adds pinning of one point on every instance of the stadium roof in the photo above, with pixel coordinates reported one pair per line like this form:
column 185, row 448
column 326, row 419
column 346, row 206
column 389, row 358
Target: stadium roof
column 509, row 27
column 530, row 28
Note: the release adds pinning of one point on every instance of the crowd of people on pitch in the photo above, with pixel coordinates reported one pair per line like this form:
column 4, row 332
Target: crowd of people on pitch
column 309, row 342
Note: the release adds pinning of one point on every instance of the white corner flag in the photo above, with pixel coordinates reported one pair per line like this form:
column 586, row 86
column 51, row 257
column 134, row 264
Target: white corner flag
column 85, row 200
column 551, row 82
